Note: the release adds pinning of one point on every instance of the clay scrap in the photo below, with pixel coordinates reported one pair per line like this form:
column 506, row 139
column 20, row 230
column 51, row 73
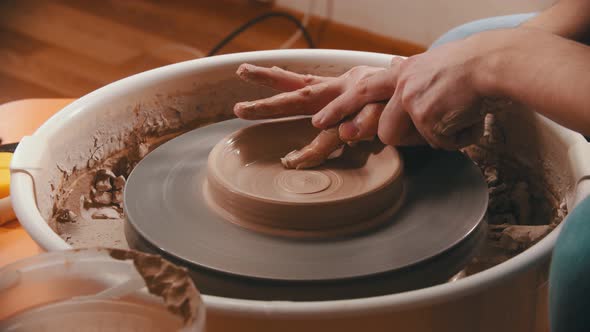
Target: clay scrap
column 170, row 282
column 106, row 194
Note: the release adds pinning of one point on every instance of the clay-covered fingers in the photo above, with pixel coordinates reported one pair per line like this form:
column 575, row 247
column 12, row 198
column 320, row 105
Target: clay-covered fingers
column 363, row 125
column 305, row 101
column 378, row 86
column 315, row 153
column 278, row 78
column 458, row 128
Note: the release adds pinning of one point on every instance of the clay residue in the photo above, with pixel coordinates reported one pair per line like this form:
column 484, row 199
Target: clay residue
column 94, row 195
column 166, row 280
column 522, row 208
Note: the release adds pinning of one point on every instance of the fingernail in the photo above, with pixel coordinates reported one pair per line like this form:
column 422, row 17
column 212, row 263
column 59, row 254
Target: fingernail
column 349, row 131
column 319, row 120
column 248, row 105
column 244, row 108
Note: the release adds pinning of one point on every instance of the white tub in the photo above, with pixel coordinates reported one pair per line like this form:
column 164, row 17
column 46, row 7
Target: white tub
column 508, row 297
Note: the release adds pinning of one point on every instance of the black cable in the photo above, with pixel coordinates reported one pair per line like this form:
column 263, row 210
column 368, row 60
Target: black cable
column 259, row 19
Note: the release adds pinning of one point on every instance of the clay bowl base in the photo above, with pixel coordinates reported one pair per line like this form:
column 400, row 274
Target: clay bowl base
column 247, row 184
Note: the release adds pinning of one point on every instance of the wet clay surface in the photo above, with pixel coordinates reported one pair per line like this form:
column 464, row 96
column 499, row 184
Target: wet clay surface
column 247, row 180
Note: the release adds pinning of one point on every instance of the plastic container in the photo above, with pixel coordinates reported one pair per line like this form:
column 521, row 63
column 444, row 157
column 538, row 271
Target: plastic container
column 96, row 290
column 20, row 118
column 507, row 297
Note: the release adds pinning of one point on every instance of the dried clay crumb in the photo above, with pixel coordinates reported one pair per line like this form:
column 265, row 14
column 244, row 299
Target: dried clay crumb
column 101, row 197
column 118, row 197
column 66, row 216
column 107, row 189
column 491, row 175
column 119, row 182
column 106, row 213
column 521, row 237
column 103, row 179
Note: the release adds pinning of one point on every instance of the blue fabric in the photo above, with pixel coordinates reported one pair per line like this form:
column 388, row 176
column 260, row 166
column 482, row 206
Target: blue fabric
column 492, row 23
column 569, row 276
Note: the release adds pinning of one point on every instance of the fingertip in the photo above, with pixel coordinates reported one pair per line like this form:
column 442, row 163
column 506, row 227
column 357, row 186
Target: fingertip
column 348, row 131
column 238, row 110
column 241, row 111
column 318, row 121
column 244, row 69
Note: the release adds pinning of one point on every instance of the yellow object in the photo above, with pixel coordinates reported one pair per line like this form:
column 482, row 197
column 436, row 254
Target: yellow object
column 5, row 158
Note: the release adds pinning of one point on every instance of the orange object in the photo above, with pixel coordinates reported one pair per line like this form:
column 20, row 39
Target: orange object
column 5, row 158
column 21, row 118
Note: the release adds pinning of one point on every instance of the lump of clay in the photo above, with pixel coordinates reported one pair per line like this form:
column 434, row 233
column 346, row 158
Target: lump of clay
column 102, row 181
column 107, row 189
column 117, row 197
column 142, row 150
column 106, row 213
column 119, row 182
column 101, row 197
column 316, row 153
column 66, row 216
column 491, row 176
column 520, row 237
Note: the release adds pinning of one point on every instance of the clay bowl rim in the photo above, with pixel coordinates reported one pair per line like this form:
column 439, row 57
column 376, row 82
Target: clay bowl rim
column 215, row 154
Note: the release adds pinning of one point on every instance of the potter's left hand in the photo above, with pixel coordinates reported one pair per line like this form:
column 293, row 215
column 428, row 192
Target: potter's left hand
column 308, row 94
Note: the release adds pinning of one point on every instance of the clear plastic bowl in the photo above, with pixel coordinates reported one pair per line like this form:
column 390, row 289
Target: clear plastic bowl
column 89, row 290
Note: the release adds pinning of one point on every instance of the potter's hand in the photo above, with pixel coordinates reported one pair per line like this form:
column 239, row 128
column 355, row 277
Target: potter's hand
column 304, row 94
column 308, row 94
column 436, row 90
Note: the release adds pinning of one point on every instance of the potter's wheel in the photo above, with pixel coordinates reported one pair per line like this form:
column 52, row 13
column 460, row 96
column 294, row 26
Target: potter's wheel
column 425, row 241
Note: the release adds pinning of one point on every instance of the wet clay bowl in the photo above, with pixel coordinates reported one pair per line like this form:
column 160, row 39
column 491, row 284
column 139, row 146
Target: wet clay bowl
column 248, row 185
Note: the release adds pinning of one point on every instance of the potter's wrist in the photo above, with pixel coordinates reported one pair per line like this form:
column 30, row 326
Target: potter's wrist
column 499, row 61
column 488, row 66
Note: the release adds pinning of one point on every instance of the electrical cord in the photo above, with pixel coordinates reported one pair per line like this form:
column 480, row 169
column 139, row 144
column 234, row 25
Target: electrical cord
column 257, row 20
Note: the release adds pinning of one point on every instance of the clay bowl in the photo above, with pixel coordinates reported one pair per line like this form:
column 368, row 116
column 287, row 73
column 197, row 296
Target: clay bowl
column 248, row 185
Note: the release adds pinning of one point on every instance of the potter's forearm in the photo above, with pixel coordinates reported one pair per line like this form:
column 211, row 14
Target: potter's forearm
column 547, row 73
column 567, row 18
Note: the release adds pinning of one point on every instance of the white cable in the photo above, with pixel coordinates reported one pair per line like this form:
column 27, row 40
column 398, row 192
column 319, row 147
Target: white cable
column 305, row 21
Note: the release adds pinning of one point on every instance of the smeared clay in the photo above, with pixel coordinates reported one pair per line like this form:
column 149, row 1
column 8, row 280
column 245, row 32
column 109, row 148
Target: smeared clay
column 168, row 281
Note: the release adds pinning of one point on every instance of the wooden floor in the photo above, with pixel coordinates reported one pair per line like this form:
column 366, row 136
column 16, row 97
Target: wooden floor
column 67, row 48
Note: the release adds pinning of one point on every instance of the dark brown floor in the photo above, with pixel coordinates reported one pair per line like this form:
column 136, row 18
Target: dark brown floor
column 67, row 48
